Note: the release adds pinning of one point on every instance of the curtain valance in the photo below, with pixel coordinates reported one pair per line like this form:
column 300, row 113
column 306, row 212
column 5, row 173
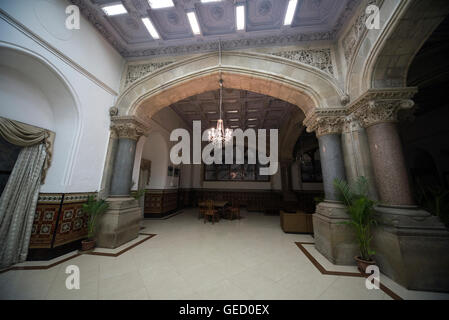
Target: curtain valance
column 25, row 135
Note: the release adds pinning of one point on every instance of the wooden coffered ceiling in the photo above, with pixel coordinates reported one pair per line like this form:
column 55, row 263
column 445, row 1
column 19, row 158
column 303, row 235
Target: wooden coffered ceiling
column 241, row 109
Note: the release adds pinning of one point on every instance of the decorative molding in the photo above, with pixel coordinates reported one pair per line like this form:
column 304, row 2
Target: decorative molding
column 326, row 121
column 379, row 111
column 318, row 58
column 136, row 71
column 128, row 127
column 382, row 94
column 352, row 39
column 47, row 46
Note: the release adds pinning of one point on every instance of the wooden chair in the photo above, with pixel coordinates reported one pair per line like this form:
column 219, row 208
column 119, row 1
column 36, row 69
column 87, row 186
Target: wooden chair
column 210, row 211
column 201, row 209
column 234, row 210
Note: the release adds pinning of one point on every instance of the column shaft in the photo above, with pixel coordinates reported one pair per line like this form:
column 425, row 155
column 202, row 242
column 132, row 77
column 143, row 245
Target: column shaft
column 123, row 167
column 332, row 163
column 389, row 164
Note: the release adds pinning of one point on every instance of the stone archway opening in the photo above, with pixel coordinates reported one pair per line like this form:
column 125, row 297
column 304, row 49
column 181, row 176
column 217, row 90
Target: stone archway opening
column 166, row 97
column 242, row 109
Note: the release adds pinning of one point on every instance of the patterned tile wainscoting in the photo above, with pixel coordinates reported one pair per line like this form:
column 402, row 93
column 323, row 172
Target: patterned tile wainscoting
column 59, row 225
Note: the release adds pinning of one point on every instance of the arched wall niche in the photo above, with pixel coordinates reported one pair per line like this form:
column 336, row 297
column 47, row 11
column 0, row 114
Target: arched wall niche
column 299, row 84
column 33, row 91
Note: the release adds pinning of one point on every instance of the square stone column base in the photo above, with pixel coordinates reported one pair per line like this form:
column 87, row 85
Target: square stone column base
column 336, row 241
column 120, row 224
column 412, row 248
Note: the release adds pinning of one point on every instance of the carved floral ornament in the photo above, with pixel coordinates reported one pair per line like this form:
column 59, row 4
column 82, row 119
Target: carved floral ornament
column 378, row 111
column 324, row 122
column 128, row 128
column 375, row 106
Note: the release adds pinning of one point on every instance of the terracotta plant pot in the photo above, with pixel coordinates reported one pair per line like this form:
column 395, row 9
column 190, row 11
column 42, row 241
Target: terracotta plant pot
column 87, row 245
column 363, row 264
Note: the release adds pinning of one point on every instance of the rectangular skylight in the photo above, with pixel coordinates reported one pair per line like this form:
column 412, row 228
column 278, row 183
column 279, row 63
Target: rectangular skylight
column 151, row 29
column 290, row 12
column 161, row 4
column 114, row 10
column 240, row 17
column 193, row 22
column 206, row 1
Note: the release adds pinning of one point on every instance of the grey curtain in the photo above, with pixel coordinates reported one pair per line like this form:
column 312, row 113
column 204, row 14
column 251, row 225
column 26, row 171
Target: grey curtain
column 25, row 135
column 19, row 198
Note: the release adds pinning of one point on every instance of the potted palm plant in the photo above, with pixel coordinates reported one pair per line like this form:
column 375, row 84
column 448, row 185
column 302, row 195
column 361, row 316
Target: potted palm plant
column 94, row 209
column 360, row 209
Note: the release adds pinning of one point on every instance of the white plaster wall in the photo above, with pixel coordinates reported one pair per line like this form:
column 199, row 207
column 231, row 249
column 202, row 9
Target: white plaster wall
column 18, row 92
column 88, row 71
column 156, row 150
column 46, row 19
column 186, row 176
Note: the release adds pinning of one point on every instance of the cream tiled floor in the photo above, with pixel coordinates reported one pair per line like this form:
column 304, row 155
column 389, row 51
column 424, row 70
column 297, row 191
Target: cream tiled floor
column 247, row 259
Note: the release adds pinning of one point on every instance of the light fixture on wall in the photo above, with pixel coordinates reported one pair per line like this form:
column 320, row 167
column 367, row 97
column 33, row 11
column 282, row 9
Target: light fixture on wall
column 220, row 136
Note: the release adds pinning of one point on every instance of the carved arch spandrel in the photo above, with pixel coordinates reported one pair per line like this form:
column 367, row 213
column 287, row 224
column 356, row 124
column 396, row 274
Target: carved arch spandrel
column 304, row 86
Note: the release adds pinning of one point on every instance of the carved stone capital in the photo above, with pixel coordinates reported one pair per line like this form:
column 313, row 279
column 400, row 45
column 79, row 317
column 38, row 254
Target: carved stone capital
column 325, row 122
column 379, row 111
column 128, row 127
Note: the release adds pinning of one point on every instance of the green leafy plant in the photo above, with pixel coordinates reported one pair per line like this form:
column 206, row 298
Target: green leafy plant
column 94, row 208
column 360, row 209
column 319, row 199
column 138, row 194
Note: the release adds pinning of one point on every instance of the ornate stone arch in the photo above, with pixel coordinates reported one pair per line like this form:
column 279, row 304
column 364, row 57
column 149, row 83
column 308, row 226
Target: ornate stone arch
column 390, row 65
column 297, row 83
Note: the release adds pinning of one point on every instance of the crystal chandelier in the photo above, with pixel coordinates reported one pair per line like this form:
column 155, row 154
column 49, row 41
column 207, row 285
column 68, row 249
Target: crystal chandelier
column 220, row 136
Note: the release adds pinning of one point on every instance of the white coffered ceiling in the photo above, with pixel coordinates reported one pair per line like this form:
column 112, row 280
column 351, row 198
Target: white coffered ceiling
column 313, row 20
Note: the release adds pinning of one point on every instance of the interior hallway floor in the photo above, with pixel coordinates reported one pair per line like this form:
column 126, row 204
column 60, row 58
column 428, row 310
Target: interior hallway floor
column 251, row 258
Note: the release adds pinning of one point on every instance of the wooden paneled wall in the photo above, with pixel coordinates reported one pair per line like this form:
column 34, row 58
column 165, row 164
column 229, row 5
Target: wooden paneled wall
column 160, row 202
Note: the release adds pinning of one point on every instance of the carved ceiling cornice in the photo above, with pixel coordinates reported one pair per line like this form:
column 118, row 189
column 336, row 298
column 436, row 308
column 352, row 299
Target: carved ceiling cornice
column 128, row 127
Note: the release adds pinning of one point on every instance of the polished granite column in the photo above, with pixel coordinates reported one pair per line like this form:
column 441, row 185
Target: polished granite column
column 123, row 167
column 332, row 163
column 411, row 245
column 333, row 239
column 121, row 223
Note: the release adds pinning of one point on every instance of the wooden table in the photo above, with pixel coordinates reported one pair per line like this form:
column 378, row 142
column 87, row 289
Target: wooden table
column 217, row 204
column 220, row 205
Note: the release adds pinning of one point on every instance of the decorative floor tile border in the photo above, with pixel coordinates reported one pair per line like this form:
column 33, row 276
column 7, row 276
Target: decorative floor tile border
column 323, row 271
column 77, row 254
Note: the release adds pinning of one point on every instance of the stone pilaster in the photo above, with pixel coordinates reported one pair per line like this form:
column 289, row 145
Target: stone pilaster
column 356, row 154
